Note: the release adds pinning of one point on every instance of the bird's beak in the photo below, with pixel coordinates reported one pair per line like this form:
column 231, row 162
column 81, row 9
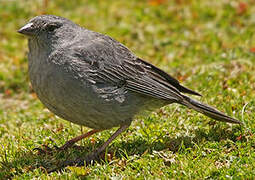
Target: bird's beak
column 27, row 29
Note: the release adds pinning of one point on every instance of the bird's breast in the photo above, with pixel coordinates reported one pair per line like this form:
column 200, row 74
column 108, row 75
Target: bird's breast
column 98, row 106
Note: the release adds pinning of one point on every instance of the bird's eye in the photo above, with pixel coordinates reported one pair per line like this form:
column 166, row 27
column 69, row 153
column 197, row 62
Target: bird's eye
column 51, row 27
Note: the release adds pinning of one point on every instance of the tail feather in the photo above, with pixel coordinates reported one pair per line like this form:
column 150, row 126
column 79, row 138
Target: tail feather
column 208, row 110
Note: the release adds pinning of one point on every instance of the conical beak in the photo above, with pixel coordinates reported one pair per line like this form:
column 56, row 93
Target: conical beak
column 27, row 29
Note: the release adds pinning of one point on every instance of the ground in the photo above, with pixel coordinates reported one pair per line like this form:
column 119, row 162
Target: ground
column 209, row 46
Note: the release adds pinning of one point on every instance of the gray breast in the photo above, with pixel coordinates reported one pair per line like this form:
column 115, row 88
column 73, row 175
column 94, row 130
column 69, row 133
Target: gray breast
column 83, row 102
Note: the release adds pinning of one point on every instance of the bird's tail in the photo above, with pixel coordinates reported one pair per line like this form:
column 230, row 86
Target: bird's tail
column 208, row 110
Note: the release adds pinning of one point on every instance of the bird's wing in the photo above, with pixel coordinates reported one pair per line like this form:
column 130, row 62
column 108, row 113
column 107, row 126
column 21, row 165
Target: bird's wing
column 169, row 79
column 108, row 61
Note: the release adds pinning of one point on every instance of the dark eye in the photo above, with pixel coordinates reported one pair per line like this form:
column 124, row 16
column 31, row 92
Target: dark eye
column 51, row 27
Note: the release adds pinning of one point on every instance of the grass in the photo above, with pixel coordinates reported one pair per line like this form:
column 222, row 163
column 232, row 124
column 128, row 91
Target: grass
column 207, row 45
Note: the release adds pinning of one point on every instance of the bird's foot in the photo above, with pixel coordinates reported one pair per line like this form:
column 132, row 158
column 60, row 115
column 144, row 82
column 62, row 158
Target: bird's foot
column 89, row 159
column 67, row 145
column 46, row 149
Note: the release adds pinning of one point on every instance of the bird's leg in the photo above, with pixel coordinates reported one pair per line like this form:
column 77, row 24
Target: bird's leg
column 93, row 156
column 71, row 142
column 68, row 144
column 97, row 152
column 119, row 131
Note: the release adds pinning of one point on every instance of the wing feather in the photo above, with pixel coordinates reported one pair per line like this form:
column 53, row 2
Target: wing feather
column 116, row 65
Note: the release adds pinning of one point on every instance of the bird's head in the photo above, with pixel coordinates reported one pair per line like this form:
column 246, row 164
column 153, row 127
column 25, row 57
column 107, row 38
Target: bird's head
column 49, row 28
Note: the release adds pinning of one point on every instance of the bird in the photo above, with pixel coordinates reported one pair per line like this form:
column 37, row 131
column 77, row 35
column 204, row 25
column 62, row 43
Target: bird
column 93, row 80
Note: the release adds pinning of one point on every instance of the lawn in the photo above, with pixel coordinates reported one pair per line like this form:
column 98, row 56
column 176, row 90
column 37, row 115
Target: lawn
column 209, row 46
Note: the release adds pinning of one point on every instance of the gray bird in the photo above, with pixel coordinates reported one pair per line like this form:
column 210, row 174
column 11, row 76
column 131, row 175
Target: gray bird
column 93, row 80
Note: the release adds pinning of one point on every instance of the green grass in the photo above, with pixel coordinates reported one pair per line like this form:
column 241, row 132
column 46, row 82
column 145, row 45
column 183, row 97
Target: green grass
column 207, row 45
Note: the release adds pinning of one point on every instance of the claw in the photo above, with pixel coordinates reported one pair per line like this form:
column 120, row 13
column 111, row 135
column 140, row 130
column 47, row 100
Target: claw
column 91, row 158
column 56, row 147
column 44, row 150
column 67, row 145
column 47, row 150
column 40, row 150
